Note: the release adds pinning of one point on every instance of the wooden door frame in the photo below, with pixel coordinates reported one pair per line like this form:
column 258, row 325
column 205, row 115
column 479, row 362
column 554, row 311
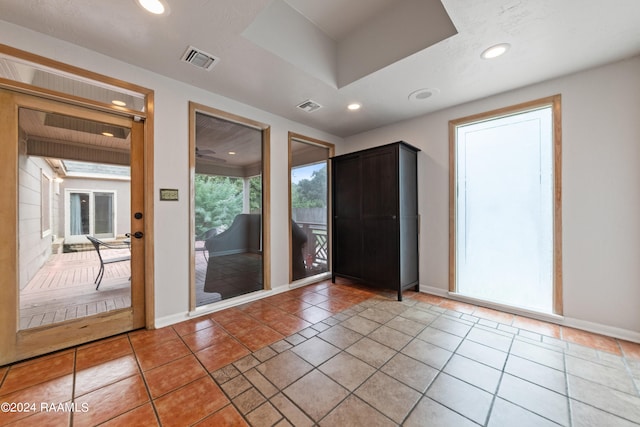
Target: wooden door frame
column 555, row 103
column 265, row 129
column 292, row 136
column 143, row 163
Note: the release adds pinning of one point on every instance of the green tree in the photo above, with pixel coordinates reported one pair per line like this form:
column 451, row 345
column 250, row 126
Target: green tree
column 310, row 193
column 218, row 199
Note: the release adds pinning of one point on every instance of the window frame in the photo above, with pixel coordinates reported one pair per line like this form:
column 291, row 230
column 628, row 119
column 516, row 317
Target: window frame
column 555, row 103
column 296, row 137
column 265, row 129
column 92, row 213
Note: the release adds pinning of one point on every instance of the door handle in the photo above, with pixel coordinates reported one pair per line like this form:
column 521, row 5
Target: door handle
column 138, row 234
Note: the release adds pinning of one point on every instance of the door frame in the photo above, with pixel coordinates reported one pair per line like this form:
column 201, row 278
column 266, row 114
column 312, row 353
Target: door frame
column 265, row 129
column 141, row 165
column 292, row 136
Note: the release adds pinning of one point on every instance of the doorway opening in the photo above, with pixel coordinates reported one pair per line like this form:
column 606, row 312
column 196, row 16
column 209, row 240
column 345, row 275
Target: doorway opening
column 63, row 136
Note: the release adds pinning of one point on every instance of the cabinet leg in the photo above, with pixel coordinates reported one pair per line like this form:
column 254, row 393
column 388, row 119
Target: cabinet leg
column 333, row 278
column 399, row 294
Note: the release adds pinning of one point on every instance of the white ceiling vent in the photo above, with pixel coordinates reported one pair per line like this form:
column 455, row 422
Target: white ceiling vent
column 309, row 106
column 199, row 58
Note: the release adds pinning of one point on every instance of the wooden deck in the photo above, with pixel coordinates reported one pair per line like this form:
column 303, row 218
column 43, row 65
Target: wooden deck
column 63, row 288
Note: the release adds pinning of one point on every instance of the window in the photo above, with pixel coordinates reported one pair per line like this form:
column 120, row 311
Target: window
column 308, row 203
column 229, row 164
column 505, row 187
column 91, row 213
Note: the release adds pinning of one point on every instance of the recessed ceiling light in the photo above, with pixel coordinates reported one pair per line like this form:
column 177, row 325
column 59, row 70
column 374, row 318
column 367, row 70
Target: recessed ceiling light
column 422, row 94
column 495, row 51
column 157, row 7
column 355, row 106
column 232, row 153
column 107, row 133
column 119, row 103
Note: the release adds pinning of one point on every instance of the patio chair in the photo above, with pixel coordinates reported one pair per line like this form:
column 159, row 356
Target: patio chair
column 96, row 244
column 201, row 242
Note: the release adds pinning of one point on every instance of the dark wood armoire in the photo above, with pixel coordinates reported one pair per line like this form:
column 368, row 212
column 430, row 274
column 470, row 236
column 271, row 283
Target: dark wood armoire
column 375, row 216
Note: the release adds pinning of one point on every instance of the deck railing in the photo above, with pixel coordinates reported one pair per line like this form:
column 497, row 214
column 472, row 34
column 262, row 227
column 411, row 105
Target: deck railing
column 316, row 250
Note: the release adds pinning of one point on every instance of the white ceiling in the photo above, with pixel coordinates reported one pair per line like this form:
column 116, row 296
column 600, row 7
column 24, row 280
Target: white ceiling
column 549, row 38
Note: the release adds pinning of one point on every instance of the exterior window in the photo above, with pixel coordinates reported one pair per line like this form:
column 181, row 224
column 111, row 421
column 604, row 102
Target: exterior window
column 308, row 207
column 506, row 220
column 90, row 213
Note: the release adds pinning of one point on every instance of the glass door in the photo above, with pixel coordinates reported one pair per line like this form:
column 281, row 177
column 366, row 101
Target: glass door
column 83, row 277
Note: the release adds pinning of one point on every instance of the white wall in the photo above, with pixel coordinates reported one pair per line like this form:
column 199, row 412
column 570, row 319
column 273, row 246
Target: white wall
column 35, row 248
column 171, row 225
column 600, row 190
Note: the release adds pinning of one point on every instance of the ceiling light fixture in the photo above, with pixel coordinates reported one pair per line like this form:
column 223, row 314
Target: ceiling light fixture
column 495, row 51
column 119, row 103
column 157, row 7
column 109, row 134
column 354, row 106
column 232, row 153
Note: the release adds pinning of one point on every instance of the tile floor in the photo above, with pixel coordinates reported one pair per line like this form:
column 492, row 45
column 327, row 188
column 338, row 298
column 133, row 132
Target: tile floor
column 336, row 355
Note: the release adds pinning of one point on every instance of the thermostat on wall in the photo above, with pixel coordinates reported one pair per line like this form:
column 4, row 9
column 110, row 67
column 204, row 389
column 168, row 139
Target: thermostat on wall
column 168, row 194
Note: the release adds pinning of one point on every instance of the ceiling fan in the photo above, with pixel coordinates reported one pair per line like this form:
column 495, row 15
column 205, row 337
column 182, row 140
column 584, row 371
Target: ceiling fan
column 208, row 155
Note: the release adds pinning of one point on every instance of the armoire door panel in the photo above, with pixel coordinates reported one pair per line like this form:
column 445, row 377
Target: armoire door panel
column 347, row 183
column 380, row 251
column 348, row 247
column 379, row 176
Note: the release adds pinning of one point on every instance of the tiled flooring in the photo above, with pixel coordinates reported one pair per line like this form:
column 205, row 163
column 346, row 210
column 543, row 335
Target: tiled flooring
column 337, row 355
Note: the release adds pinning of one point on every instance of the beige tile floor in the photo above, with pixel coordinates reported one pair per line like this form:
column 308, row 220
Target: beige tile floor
column 338, row 355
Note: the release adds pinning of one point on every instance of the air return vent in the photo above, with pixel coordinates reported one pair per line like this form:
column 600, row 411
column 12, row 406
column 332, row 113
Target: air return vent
column 199, row 58
column 309, row 106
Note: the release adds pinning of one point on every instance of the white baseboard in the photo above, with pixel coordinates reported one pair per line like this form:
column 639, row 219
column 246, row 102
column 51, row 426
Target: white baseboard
column 309, row 280
column 161, row 322
column 597, row 328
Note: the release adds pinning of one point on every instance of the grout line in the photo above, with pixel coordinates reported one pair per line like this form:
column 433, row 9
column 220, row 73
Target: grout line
column 144, row 380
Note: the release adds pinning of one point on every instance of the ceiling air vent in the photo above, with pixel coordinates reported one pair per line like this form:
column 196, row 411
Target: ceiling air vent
column 309, row 106
column 199, row 58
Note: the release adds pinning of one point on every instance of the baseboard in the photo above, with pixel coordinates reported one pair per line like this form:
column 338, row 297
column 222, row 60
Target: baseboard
column 162, row 322
column 310, row 280
column 596, row 328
